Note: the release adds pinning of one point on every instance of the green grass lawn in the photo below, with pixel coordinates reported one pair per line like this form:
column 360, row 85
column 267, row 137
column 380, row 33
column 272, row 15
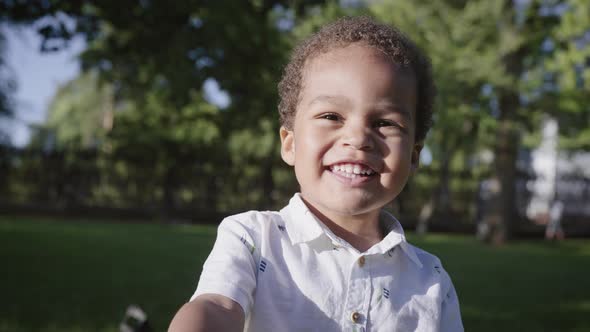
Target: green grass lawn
column 80, row 276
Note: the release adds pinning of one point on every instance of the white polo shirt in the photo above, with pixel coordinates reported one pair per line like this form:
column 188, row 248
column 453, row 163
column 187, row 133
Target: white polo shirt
column 289, row 272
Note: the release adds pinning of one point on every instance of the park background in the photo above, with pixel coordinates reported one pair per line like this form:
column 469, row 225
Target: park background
column 171, row 124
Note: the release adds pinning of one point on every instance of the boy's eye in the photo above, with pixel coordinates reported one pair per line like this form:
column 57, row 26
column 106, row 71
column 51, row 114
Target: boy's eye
column 389, row 125
column 330, row 116
column 385, row 123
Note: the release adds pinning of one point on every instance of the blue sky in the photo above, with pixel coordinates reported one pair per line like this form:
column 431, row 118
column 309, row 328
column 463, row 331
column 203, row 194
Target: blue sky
column 38, row 77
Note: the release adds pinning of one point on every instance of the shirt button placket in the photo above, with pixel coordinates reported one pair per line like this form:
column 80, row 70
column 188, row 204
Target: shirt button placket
column 358, row 294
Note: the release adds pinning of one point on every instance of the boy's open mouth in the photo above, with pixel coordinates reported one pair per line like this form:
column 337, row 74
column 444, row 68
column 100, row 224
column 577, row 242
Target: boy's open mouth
column 352, row 170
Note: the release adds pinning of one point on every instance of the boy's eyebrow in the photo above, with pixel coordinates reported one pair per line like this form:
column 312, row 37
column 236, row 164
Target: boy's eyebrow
column 392, row 107
column 331, row 99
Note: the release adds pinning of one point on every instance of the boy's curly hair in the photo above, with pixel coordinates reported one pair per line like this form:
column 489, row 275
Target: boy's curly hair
column 343, row 32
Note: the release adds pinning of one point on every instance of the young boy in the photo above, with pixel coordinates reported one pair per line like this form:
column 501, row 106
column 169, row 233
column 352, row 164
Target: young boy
column 356, row 104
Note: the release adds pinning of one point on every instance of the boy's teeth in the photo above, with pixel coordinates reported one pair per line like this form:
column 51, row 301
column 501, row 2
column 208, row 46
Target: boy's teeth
column 352, row 169
column 356, row 169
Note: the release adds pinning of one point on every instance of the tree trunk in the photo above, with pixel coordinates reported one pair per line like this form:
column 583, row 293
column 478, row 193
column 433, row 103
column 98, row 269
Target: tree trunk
column 507, row 146
column 505, row 168
column 267, row 182
column 438, row 206
column 443, row 191
column 212, row 193
column 169, row 190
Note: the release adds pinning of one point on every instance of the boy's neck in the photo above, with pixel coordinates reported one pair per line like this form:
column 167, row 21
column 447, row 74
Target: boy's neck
column 360, row 231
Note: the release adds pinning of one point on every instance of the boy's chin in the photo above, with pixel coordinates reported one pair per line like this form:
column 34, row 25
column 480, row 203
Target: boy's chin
column 346, row 208
column 359, row 210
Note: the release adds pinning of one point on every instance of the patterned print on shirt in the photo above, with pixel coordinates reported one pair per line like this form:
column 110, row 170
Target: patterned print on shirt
column 437, row 268
column 250, row 247
column 390, row 252
column 281, row 227
column 262, row 266
column 386, row 293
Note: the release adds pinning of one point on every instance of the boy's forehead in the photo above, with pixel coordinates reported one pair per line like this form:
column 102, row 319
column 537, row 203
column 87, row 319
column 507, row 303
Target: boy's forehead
column 348, row 56
column 334, row 76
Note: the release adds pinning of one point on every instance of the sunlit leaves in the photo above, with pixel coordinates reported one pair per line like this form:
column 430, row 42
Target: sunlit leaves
column 81, row 113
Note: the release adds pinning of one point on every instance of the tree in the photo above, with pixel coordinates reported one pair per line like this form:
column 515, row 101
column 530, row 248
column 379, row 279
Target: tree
column 80, row 115
column 241, row 45
column 7, row 87
column 568, row 66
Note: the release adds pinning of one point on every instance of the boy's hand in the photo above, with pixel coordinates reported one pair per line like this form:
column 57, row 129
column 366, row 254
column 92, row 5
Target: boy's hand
column 208, row 312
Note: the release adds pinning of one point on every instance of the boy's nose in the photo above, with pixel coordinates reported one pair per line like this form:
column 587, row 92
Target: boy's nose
column 358, row 137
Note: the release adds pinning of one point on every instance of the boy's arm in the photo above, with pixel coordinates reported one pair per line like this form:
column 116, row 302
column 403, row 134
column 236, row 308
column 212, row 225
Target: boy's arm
column 225, row 290
column 451, row 313
column 209, row 312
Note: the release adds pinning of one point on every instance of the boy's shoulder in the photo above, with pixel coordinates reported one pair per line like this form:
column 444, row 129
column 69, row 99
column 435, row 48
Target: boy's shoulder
column 253, row 221
column 253, row 217
column 257, row 229
column 431, row 262
column 265, row 221
column 424, row 256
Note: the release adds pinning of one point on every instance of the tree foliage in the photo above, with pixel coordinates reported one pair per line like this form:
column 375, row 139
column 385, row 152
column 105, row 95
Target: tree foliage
column 80, row 114
column 7, row 84
column 569, row 65
column 500, row 66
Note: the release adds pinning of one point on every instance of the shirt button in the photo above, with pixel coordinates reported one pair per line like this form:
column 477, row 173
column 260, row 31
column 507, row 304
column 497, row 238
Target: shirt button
column 355, row 317
column 362, row 261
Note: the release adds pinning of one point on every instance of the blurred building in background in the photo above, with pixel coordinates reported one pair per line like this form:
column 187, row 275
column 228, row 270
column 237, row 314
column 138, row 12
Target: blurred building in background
column 552, row 187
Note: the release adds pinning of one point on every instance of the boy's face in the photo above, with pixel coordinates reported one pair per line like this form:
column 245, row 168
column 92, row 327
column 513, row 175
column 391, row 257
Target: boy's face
column 352, row 143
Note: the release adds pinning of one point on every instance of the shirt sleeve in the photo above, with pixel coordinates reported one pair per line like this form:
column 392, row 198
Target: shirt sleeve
column 230, row 269
column 450, row 312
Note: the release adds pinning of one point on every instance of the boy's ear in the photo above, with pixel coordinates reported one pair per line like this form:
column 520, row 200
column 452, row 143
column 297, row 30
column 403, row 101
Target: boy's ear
column 287, row 146
column 416, row 156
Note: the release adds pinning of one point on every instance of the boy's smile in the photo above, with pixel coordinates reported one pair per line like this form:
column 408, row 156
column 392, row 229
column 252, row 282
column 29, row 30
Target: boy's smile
column 353, row 172
column 352, row 142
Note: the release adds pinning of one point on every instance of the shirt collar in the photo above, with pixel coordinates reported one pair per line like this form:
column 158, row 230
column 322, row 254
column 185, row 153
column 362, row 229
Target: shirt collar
column 395, row 236
column 303, row 226
column 300, row 222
